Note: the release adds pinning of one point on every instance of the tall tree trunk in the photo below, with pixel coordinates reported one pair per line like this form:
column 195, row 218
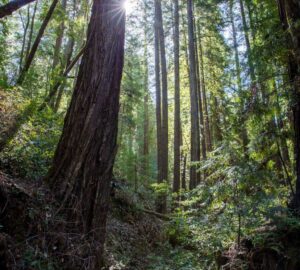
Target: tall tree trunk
column 162, row 203
column 146, row 108
column 81, row 172
column 57, row 47
column 241, row 128
column 37, row 42
column 248, row 45
column 200, row 98
column 204, row 98
column 177, row 125
column 164, row 80
column 195, row 140
column 289, row 11
column 158, row 99
column 235, row 47
column 12, row 6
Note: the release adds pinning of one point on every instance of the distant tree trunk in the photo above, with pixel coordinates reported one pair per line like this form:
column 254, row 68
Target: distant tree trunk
column 59, row 38
column 216, row 127
column 249, row 6
column 67, row 60
column 205, row 103
column 25, row 27
column 146, row 111
column 242, row 128
column 200, row 98
column 54, row 90
column 195, row 139
column 248, row 45
column 31, row 31
column 37, row 42
column 280, row 126
column 82, row 168
column 177, row 124
column 158, row 100
column 183, row 180
column 289, row 11
column 162, row 203
column 235, row 47
column 12, row 6
column 164, row 80
column 58, row 46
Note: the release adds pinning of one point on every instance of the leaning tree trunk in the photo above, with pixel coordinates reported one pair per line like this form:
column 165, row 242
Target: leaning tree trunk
column 82, row 168
column 36, row 43
column 12, row 6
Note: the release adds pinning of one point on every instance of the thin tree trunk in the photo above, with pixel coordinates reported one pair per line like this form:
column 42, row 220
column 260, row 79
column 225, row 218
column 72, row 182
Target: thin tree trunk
column 54, row 90
column 195, row 142
column 82, row 168
column 146, row 108
column 200, row 98
column 235, row 47
column 57, row 48
column 183, row 180
column 37, row 42
column 68, row 57
column 248, row 46
column 31, row 30
column 205, row 104
column 25, row 26
column 177, row 125
column 12, row 6
column 242, row 129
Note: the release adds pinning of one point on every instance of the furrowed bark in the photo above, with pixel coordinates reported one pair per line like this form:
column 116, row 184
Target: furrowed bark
column 82, row 167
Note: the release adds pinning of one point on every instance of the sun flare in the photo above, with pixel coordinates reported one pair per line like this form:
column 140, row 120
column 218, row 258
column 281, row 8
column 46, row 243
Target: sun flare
column 128, row 6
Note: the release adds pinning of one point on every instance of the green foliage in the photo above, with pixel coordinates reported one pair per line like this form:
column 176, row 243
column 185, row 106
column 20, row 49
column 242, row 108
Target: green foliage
column 30, row 153
column 161, row 188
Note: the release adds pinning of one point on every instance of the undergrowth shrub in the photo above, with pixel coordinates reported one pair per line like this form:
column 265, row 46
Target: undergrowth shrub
column 30, row 153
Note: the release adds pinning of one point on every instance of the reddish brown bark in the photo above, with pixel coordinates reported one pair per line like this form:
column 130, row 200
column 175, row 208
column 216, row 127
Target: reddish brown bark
column 82, row 168
column 195, row 138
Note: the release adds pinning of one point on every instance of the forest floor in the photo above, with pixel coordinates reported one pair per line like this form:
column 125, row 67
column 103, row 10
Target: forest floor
column 33, row 237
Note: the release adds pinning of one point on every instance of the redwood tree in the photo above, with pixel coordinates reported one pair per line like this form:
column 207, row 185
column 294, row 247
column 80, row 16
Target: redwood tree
column 177, row 125
column 82, row 168
column 195, row 139
column 289, row 11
